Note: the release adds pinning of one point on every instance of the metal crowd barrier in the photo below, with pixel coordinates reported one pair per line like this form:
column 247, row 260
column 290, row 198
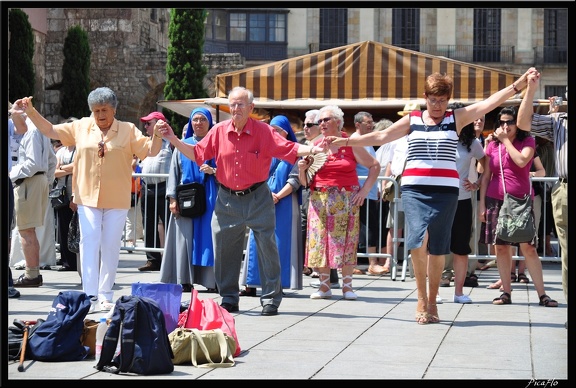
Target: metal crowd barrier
column 397, row 239
column 475, row 255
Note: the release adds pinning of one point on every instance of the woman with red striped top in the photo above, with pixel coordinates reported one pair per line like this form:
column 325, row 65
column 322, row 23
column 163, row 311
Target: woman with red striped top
column 430, row 180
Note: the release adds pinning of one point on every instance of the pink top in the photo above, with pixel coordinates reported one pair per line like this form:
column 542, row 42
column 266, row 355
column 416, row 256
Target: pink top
column 517, row 178
column 244, row 158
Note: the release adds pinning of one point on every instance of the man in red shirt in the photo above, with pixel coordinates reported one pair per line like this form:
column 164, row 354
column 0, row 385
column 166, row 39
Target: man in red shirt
column 243, row 149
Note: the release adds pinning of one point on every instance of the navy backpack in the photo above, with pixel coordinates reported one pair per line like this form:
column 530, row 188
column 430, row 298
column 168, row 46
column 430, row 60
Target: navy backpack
column 58, row 338
column 139, row 324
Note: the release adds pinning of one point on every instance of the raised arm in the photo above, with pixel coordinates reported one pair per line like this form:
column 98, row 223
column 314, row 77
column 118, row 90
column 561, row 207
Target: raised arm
column 24, row 105
column 468, row 114
column 526, row 110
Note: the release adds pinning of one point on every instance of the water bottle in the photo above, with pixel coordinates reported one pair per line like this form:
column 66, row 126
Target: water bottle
column 100, row 333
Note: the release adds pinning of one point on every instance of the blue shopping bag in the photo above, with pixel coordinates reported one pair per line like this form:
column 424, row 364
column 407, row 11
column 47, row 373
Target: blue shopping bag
column 167, row 295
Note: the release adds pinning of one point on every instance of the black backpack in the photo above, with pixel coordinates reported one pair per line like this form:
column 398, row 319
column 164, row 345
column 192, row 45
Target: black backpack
column 139, row 324
column 58, row 338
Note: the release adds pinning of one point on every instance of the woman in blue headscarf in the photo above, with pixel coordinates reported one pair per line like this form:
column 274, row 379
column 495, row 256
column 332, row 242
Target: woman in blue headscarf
column 288, row 226
column 189, row 254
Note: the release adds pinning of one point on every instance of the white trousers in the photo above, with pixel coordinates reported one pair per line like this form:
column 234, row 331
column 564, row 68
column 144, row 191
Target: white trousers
column 100, row 241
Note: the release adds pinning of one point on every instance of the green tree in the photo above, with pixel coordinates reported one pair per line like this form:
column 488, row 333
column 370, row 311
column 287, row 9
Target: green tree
column 75, row 74
column 185, row 71
column 20, row 56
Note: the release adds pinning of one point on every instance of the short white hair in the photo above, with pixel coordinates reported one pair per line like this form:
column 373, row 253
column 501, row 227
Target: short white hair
column 312, row 114
column 336, row 113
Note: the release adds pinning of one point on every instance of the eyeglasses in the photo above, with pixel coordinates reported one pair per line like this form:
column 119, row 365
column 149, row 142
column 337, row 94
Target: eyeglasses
column 310, row 125
column 324, row 120
column 507, row 122
column 239, row 106
column 436, row 102
column 199, row 120
column 101, row 149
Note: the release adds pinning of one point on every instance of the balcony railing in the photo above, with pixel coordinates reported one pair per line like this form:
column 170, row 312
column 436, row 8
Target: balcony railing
column 498, row 54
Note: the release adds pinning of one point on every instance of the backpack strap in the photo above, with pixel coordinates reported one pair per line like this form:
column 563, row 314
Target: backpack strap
column 111, row 339
column 129, row 319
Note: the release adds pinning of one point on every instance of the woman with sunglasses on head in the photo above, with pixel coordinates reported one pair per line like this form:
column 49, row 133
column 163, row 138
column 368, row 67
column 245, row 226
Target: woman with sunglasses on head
column 509, row 157
column 103, row 169
column 430, row 180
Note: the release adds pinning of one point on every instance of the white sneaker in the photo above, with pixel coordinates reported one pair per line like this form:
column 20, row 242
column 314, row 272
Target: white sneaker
column 462, row 299
column 321, row 295
column 439, row 299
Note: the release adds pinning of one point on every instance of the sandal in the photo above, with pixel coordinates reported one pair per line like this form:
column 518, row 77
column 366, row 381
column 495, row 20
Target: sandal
column 421, row 317
column 522, row 278
column 505, row 298
column 315, row 275
column 307, row 271
column 433, row 313
column 546, row 301
column 513, row 278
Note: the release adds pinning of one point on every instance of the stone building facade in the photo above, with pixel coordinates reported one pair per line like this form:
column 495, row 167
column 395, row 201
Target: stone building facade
column 129, row 55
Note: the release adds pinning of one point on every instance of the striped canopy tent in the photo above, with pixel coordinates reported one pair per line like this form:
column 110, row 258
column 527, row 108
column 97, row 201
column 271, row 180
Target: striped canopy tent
column 365, row 70
column 371, row 76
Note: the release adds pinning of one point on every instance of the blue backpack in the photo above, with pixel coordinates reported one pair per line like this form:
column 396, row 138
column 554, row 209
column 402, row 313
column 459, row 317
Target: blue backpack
column 139, row 324
column 58, row 338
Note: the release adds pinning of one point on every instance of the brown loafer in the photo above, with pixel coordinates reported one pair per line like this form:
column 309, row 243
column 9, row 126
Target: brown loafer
column 150, row 266
column 23, row 281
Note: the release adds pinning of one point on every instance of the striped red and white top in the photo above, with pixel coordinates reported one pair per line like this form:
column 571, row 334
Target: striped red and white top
column 431, row 157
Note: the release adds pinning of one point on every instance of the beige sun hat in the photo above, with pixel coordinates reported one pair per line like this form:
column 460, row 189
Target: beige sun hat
column 409, row 107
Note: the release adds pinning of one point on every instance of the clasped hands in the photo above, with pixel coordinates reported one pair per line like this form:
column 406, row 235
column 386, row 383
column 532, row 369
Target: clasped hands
column 163, row 128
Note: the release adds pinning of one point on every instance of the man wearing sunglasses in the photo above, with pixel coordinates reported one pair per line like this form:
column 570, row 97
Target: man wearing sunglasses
column 154, row 195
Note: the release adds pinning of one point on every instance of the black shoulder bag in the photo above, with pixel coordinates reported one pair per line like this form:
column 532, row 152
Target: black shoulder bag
column 191, row 198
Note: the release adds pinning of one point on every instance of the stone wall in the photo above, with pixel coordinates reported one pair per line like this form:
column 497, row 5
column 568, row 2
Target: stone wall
column 129, row 55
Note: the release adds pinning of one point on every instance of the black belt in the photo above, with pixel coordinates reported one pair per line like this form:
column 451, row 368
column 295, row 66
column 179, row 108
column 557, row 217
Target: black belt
column 563, row 180
column 242, row 192
column 157, row 184
column 18, row 182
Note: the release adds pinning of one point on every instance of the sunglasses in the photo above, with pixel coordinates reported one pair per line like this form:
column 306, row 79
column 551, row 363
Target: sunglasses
column 101, row 149
column 310, row 125
column 324, row 120
column 507, row 122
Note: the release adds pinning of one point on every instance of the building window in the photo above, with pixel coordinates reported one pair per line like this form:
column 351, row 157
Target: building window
column 258, row 27
column 154, row 15
column 487, row 22
column 333, row 28
column 277, row 28
column 406, row 28
column 555, row 35
column 238, row 26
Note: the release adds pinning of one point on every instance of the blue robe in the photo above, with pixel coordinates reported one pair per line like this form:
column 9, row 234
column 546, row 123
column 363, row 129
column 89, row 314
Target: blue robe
column 284, row 231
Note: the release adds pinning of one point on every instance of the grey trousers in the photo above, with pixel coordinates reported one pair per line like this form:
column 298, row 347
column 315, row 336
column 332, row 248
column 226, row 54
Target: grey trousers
column 232, row 215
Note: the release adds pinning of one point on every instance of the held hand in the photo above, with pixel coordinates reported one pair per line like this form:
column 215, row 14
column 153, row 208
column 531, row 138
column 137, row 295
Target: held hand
column 163, row 128
column 22, row 105
column 333, row 140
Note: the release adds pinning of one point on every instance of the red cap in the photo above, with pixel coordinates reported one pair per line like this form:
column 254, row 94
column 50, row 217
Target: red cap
column 153, row 115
